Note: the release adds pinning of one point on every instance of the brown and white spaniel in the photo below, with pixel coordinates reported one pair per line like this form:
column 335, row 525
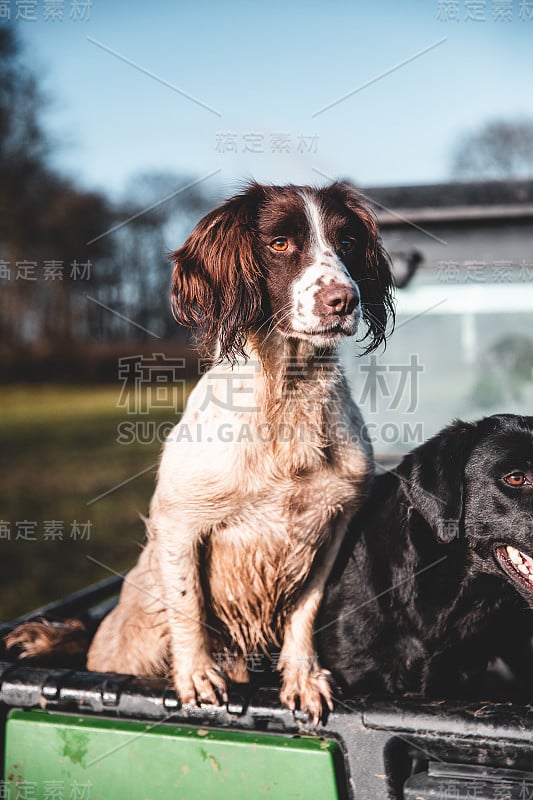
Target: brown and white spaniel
column 258, row 480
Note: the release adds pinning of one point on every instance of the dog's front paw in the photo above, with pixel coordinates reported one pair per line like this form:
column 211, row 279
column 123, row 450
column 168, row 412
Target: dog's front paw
column 201, row 684
column 308, row 690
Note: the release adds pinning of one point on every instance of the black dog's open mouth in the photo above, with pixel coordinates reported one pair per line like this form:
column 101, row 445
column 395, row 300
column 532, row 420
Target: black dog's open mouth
column 516, row 564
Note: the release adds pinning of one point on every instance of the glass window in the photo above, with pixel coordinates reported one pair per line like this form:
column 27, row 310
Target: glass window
column 462, row 348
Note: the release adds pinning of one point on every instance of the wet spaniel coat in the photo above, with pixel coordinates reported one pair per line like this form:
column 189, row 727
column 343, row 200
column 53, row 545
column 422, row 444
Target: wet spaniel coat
column 260, row 477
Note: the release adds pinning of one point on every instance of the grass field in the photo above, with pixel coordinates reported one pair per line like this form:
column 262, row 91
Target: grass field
column 58, row 454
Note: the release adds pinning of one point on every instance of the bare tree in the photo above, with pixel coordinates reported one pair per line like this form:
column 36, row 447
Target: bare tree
column 163, row 207
column 498, row 149
column 44, row 218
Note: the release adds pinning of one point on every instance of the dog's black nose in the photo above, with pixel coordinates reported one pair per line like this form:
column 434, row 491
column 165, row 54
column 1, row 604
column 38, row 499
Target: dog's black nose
column 340, row 299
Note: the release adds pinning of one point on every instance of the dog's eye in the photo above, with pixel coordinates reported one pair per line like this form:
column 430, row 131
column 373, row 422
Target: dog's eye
column 347, row 244
column 515, row 479
column 279, row 244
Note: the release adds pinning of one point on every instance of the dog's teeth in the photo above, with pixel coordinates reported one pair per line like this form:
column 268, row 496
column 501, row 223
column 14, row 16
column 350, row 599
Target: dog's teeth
column 514, row 554
column 523, row 569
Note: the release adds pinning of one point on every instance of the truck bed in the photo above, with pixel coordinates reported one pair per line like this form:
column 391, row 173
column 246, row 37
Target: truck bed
column 91, row 735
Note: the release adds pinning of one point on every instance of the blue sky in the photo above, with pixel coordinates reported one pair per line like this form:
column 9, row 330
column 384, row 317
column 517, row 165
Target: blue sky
column 266, row 68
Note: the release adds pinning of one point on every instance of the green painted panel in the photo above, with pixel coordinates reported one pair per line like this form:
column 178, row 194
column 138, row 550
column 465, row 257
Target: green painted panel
column 53, row 756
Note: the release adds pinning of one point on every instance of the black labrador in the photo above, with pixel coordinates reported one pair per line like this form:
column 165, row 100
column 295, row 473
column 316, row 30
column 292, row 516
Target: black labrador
column 436, row 575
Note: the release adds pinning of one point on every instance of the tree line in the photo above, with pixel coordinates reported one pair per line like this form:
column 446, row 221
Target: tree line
column 74, row 265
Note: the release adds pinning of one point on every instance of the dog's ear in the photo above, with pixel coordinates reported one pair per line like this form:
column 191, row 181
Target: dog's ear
column 215, row 285
column 432, row 477
column 375, row 279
